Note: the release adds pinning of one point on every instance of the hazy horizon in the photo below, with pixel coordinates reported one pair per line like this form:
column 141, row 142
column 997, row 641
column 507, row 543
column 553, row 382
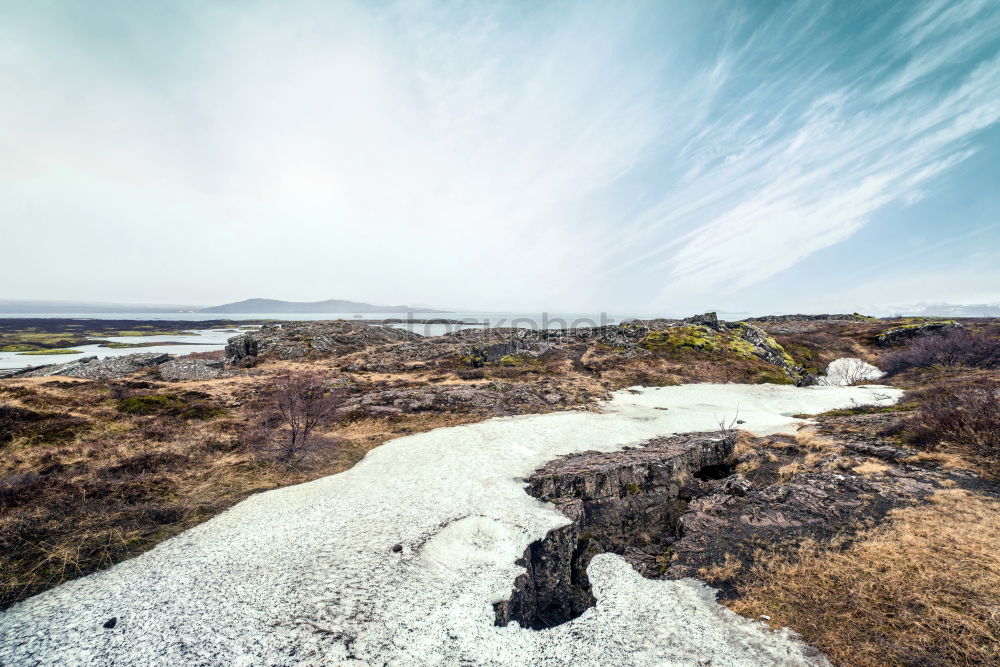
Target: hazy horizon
column 643, row 157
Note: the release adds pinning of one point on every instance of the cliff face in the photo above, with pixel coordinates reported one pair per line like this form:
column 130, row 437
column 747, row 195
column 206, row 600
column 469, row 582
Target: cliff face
column 628, row 502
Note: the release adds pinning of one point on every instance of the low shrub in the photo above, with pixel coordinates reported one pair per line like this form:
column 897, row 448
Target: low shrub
column 38, row 426
column 190, row 406
column 149, row 404
column 954, row 348
column 967, row 416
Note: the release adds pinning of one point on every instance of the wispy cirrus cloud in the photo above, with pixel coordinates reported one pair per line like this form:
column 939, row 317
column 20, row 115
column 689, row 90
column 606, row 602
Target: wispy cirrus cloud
column 801, row 160
column 643, row 156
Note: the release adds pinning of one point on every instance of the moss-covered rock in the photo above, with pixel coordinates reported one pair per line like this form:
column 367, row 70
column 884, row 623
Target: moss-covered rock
column 693, row 337
column 909, row 330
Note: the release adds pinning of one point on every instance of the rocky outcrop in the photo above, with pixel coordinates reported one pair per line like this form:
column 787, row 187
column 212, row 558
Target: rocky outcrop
column 853, row 317
column 295, row 340
column 192, row 369
column 626, row 502
column 92, row 368
column 819, row 504
column 710, row 320
column 494, row 398
column 905, row 332
column 767, row 349
column 675, row 508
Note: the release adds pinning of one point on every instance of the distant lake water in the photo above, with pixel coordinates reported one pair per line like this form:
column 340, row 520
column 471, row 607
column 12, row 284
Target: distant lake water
column 204, row 340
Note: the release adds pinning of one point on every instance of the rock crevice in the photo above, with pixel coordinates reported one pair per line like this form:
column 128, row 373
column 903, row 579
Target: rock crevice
column 628, row 502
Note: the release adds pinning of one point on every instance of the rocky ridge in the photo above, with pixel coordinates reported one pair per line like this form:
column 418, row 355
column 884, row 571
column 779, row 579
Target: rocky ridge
column 92, row 368
column 900, row 334
column 295, row 340
column 676, row 507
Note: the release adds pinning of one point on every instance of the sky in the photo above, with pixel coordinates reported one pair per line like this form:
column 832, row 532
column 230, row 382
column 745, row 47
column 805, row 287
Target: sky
column 640, row 157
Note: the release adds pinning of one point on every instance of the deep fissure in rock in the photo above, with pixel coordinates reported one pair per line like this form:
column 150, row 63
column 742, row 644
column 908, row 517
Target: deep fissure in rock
column 628, row 502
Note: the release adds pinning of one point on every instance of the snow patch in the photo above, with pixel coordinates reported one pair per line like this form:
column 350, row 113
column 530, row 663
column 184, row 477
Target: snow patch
column 398, row 560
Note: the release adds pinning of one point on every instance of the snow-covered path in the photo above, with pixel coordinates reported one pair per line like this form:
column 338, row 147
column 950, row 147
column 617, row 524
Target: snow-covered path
column 308, row 574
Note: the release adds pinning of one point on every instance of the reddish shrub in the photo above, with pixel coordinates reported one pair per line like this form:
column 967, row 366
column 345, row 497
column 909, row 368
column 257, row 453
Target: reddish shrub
column 968, row 417
column 299, row 405
column 954, row 348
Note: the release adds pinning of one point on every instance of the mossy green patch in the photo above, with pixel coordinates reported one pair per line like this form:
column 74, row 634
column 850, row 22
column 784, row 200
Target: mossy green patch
column 769, row 376
column 741, row 347
column 674, row 338
column 170, row 404
column 914, row 325
column 803, row 356
column 784, row 355
column 18, row 347
column 862, row 410
column 126, row 346
column 151, row 332
column 55, row 351
column 149, row 404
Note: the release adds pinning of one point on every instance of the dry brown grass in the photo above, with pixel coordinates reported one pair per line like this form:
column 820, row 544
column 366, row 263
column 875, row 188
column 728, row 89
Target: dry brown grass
column 922, row 589
column 123, row 483
column 789, row 470
column 809, row 440
column 727, row 570
column 943, row 459
column 871, row 467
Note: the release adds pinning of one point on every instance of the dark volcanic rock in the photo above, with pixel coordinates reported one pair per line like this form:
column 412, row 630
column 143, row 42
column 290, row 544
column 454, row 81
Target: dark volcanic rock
column 193, row 369
column 674, row 509
column 905, row 332
column 767, row 349
column 92, row 368
column 495, row 398
column 818, row 505
column 710, row 320
column 298, row 339
column 625, row 502
column 853, row 317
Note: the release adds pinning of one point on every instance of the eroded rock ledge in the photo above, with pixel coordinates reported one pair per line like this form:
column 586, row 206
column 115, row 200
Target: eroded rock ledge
column 627, row 502
column 674, row 508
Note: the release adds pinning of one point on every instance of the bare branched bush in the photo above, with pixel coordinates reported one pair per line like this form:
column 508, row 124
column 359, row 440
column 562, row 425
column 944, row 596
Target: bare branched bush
column 856, row 370
column 954, row 348
column 727, row 428
column 300, row 405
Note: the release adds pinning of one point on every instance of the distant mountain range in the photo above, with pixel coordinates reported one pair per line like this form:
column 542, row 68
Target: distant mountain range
column 939, row 310
column 249, row 306
column 328, row 306
column 332, row 306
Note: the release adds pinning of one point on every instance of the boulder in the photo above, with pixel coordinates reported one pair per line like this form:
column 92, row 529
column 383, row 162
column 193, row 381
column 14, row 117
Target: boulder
column 710, row 320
